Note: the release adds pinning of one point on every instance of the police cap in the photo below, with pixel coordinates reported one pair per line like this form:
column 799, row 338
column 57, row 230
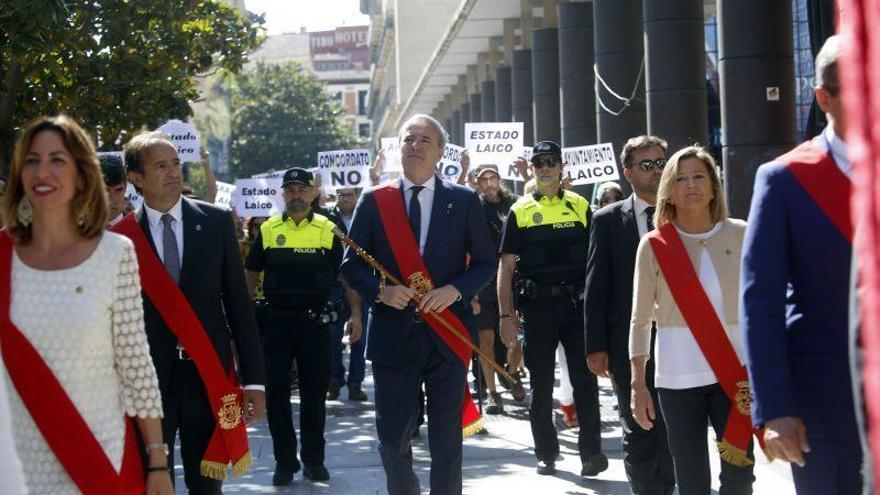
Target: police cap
column 298, row 176
column 546, row 148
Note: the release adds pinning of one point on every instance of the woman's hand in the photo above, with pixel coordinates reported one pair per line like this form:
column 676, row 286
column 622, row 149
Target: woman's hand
column 643, row 406
column 159, row 483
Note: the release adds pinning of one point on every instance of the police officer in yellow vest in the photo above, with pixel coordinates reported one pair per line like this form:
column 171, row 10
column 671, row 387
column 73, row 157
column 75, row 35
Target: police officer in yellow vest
column 299, row 256
column 545, row 242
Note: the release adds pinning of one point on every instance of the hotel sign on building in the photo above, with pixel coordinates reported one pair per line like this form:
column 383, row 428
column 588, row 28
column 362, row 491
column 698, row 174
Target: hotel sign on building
column 341, row 39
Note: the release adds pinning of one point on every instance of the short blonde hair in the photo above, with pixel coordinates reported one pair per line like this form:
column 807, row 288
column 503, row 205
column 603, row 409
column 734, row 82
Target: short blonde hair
column 90, row 204
column 665, row 212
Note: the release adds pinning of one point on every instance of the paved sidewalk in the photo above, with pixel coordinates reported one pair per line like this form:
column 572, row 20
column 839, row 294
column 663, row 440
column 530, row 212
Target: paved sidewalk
column 502, row 459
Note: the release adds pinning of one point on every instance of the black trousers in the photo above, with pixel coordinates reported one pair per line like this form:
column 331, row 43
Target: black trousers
column 646, row 456
column 290, row 338
column 397, row 408
column 187, row 411
column 687, row 413
column 549, row 321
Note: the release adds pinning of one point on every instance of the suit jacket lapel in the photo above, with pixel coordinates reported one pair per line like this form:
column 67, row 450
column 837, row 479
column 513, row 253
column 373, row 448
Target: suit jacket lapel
column 440, row 215
column 193, row 218
column 628, row 218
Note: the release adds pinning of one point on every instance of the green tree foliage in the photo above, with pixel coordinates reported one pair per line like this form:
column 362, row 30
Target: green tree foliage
column 282, row 117
column 115, row 65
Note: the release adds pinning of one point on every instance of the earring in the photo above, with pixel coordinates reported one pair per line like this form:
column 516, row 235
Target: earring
column 25, row 211
column 82, row 217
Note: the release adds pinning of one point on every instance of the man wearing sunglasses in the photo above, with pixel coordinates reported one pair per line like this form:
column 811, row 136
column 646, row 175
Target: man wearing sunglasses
column 545, row 241
column 614, row 238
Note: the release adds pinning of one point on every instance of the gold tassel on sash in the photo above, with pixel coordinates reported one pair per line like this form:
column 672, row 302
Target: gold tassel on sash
column 217, row 470
column 733, row 455
column 472, row 428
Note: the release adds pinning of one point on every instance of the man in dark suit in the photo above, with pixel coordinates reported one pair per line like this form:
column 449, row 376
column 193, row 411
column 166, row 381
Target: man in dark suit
column 346, row 200
column 448, row 224
column 196, row 242
column 797, row 255
column 614, row 238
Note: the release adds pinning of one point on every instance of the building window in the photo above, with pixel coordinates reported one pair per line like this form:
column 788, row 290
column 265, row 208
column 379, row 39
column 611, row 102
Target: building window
column 364, row 130
column 362, row 102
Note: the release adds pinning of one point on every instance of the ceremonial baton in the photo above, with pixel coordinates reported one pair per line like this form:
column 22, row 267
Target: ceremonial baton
column 418, row 298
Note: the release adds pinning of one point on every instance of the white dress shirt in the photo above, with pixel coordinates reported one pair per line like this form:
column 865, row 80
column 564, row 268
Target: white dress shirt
column 426, row 201
column 838, row 151
column 154, row 219
column 639, row 206
column 347, row 221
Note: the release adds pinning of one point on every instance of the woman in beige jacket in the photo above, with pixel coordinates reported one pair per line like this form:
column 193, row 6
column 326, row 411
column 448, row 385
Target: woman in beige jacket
column 691, row 207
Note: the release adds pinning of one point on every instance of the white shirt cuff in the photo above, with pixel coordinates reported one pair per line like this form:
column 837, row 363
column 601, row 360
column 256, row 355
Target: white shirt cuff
column 261, row 388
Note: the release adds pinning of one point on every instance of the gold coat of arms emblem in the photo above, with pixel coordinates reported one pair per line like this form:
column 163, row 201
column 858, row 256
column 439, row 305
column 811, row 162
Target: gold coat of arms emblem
column 420, row 283
column 743, row 398
column 229, row 415
column 280, row 240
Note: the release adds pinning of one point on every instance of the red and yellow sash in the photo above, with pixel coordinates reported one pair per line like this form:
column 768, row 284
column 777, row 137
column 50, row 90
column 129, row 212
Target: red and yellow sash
column 703, row 322
column 412, row 270
column 57, row 418
column 229, row 442
column 831, row 190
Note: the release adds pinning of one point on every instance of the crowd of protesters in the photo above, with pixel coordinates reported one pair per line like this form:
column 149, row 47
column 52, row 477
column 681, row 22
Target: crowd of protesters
column 122, row 331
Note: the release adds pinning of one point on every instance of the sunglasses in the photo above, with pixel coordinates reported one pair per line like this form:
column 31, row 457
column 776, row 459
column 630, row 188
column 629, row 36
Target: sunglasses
column 546, row 162
column 648, row 165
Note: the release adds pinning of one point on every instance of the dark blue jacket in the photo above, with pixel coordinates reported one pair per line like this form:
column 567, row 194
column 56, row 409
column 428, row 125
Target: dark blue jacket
column 458, row 228
column 794, row 307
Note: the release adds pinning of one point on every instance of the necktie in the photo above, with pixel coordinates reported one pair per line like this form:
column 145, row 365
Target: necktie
column 415, row 214
column 650, row 212
column 170, row 253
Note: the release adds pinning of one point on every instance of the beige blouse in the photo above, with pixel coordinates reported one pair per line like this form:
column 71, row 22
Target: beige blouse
column 652, row 300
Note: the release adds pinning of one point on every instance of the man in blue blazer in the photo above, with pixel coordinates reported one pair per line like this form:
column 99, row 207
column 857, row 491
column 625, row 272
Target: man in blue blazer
column 795, row 292
column 448, row 225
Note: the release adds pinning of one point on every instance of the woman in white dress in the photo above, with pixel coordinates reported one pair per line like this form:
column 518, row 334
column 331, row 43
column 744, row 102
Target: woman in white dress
column 74, row 295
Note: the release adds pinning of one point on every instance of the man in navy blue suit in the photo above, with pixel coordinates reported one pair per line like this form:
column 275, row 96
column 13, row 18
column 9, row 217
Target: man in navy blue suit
column 446, row 226
column 795, row 301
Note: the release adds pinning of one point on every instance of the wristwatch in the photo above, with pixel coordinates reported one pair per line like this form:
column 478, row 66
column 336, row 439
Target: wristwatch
column 161, row 447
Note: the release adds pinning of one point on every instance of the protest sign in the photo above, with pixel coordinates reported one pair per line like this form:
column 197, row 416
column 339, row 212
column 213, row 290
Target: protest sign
column 133, row 197
column 509, row 171
column 449, row 166
column 496, row 143
column 270, row 175
column 224, row 195
column 185, row 137
column 258, row 197
column 590, row 164
column 344, row 168
column 391, row 151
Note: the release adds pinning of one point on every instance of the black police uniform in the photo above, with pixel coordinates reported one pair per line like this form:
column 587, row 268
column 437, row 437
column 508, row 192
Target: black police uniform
column 550, row 237
column 300, row 264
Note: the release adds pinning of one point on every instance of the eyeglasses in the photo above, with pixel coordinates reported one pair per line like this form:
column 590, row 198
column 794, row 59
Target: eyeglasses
column 647, row 165
column 546, row 162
